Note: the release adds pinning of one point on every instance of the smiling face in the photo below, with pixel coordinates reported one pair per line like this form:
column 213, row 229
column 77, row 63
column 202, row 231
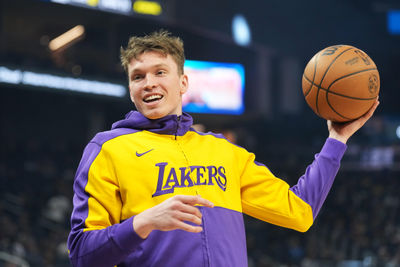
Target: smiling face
column 156, row 87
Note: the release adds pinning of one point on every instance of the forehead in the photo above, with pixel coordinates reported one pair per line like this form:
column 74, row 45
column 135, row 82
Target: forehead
column 151, row 59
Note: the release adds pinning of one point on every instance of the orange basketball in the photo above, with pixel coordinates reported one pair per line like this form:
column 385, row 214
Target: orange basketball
column 341, row 83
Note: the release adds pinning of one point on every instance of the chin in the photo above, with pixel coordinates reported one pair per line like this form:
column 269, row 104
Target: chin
column 153, row 115
column 158, row 113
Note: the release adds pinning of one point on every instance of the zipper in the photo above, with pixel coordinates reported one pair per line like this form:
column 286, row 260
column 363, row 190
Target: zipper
column 178, row 120
column 206, row 249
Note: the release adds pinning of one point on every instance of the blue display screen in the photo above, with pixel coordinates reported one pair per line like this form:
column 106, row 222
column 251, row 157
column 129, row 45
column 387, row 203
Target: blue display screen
column 214, row 87
column 393, row 21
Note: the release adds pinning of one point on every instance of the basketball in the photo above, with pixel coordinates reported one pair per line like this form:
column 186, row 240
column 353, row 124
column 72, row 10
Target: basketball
column 340, row 83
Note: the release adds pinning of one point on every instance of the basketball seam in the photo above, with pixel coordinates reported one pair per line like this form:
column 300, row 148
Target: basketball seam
column 348, row 75
column 315, row 71
column 335, row 93
column 323, row 77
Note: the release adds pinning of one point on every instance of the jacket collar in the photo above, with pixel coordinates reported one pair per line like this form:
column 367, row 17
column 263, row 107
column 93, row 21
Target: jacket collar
column 170, row 124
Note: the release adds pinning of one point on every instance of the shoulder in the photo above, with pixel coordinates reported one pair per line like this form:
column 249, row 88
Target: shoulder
column 210, row 135
column 217, row 138
column 216, row 135
column 103, row 137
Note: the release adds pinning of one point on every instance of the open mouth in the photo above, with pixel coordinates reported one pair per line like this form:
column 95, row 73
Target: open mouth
column 152, row 98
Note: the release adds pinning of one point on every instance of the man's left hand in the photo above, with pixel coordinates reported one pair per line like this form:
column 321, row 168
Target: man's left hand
column 343, row 131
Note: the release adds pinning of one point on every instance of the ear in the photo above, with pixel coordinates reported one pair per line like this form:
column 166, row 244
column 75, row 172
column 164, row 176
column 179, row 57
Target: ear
column 184, row 83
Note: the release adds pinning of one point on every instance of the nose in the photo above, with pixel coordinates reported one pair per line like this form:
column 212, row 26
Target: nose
column 150, row 82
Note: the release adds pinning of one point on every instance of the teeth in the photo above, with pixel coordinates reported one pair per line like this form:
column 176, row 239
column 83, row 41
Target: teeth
column 152, row 97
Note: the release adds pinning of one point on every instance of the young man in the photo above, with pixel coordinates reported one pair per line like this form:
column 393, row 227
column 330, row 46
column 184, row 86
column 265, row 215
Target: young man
column 154, row 192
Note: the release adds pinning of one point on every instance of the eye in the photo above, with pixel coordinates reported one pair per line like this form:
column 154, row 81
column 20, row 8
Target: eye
column 136, row 77
column 161, row 72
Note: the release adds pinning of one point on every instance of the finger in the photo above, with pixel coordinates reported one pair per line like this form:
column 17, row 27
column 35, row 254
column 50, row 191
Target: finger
column 371, row 111
column 190, row 210
column 182, row 216
column 188, row 228
column 193, row 200
column 373, row 108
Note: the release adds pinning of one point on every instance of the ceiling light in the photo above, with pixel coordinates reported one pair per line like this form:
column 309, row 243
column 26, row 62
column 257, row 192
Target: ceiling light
column 241, row 30
column 68, row 38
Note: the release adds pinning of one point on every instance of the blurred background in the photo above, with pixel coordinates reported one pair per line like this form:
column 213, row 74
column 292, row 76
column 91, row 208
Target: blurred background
column 56, row 94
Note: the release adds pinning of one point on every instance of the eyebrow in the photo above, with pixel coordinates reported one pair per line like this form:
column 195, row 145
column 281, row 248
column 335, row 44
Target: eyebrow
column 156, row 66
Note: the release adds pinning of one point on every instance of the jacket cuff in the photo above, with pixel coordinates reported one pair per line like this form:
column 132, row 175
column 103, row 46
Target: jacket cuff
column 125, row 236
column 333, row 149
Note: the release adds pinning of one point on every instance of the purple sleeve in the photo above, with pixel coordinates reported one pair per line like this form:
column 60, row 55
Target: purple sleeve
column 105, row 247
column 313, row 187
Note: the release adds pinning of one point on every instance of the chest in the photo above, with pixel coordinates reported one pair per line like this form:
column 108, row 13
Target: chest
column 151, row 169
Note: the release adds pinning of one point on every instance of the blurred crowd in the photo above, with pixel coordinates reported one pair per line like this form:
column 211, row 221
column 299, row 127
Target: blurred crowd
column 358, row 226
column 35, row 202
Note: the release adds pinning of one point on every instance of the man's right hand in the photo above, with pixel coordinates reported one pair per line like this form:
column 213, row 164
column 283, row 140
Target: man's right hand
column 170, row 215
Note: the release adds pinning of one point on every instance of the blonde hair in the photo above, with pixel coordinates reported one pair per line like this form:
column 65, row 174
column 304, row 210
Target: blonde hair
column 159, row 41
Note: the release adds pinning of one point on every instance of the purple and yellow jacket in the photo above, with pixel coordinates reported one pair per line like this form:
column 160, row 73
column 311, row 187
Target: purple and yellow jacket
column 141, row 162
